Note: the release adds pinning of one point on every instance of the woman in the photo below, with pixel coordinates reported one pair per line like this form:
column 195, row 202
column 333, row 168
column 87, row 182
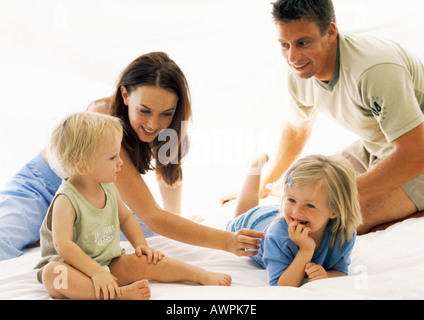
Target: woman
column 152, row 95
column 153, row 101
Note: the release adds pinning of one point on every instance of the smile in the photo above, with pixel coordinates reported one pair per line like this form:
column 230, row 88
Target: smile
column 300, row 221
column 148, row 132
column 299, row 67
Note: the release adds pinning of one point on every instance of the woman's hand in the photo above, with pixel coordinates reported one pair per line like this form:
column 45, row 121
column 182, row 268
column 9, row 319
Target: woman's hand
column 152, row 254
column 245, row 242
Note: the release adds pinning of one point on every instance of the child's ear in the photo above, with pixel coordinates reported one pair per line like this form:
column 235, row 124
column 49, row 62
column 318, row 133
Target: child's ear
column 82, row 167
column 333, row 215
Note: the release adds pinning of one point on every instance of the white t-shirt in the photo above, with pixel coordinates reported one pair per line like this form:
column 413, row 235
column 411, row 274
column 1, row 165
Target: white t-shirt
column 376, row 92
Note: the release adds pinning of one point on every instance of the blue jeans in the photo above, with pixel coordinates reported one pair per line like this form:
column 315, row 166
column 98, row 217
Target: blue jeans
column 23, row 205
column 258, row 218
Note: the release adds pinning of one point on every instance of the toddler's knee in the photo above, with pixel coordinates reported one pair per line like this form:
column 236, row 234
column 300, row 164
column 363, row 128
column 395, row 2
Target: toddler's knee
column 54, row 277
column 51, row 270
column 142, row 264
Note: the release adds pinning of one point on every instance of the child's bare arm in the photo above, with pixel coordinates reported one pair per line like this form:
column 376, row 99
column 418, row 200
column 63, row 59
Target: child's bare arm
column 129, row 224
column 335, row 273
column 316, row 272
column 134, row 233
column 295, row 273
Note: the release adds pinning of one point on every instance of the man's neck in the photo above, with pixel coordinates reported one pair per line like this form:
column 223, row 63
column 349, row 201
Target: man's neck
column 328, row 72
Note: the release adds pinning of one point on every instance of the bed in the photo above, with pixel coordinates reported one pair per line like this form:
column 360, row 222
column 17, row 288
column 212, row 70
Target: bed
column 385, row 265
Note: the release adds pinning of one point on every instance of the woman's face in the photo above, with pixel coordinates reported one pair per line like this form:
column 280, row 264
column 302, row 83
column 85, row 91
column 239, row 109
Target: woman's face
column 150, row 110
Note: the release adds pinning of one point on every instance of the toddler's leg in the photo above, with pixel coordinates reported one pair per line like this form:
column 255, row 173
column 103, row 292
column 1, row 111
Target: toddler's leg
column 63, row 281
column 249, row 194
column 129, row 268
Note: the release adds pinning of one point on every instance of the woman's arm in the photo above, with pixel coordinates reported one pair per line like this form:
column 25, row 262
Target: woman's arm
column 138, row 198
column 171, row 197
column 100, row 105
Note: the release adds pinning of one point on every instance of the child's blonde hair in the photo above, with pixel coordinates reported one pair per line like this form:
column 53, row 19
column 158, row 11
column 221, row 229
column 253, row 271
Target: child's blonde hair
column 77, row 138
column 339, row 180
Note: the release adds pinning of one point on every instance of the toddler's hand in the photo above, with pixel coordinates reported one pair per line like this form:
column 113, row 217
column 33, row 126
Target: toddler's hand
column 315, row 271
column 152, row 254
column 104, row 282
column 299, row 234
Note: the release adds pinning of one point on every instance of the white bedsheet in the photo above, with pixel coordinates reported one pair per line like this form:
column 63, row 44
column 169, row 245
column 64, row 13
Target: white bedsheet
column 56, row 40
column 387, row 264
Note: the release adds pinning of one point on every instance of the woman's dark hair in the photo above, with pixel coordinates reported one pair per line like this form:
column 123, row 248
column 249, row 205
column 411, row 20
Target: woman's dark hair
column 158, row 70
column 319, row 11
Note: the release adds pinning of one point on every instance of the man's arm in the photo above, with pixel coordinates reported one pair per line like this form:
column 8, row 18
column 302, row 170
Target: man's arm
column 405, row 163
column 292, row 142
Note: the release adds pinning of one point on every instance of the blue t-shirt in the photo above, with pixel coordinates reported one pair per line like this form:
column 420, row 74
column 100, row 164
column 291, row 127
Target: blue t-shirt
column 277, row 251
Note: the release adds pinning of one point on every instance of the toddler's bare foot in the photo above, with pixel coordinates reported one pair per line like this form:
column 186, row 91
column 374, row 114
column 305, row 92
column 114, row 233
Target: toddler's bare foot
column 209, row 278
column 138, row 290
column 256, row 163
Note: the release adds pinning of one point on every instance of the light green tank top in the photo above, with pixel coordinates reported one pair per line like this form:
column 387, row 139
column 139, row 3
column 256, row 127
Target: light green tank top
column 96, row 231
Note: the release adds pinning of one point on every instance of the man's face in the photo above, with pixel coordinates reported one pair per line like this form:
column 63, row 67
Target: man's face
column 308, row 53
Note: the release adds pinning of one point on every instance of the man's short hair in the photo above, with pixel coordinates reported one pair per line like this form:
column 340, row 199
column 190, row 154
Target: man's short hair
column 319, row 11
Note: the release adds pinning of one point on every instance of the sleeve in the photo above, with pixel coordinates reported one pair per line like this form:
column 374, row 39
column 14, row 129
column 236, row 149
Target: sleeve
column 343, row 256
column 387, row 91
column 277, row 253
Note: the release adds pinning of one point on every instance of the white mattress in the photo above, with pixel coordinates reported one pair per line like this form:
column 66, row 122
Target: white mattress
column 44, row 42
column 385, row 265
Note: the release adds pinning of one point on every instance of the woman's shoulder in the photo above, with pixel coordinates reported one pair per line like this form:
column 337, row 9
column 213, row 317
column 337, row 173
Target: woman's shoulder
column 100, row 105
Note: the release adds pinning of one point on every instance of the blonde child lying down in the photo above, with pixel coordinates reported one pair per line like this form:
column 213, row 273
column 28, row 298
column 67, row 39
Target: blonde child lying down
column 311, row 235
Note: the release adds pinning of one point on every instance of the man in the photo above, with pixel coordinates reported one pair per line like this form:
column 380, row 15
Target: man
column 373, row 88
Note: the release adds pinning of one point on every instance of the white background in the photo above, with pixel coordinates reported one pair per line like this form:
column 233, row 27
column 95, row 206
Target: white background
column 56, row 56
